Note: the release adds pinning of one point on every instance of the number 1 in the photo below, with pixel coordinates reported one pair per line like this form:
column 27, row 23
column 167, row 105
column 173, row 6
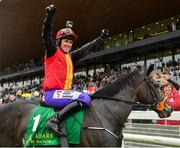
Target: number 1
column 37, row 118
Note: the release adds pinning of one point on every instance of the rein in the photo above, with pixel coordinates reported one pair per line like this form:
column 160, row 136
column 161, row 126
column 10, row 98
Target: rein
column 152, row 90
column 117, row 99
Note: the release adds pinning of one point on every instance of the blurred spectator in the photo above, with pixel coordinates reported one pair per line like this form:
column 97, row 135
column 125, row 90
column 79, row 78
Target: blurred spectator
column 92, row 88
column 36, row 96
column 12, row 98
column 19, row 94
column 173, row 99
column 165, row 70
column 1, row 102
column 26, row 96
column 165, row 79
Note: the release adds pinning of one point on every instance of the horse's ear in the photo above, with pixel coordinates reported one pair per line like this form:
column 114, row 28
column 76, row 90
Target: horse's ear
column 150, row 69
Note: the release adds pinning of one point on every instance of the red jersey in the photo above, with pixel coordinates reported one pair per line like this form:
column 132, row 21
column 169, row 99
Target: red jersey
column 174, row 101
column 58, row 71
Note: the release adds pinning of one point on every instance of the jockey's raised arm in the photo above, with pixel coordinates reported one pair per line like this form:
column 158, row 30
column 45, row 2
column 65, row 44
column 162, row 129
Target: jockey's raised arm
column 91, row 46
column 48, row 41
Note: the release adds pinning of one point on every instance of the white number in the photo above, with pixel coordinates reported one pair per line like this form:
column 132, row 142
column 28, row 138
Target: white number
column 36, row 122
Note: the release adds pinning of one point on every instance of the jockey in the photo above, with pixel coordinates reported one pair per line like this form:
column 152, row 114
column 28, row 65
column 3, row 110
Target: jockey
column 58, row 65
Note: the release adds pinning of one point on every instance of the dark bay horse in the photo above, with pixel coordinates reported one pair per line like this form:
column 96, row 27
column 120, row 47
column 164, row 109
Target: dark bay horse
column 104, row 119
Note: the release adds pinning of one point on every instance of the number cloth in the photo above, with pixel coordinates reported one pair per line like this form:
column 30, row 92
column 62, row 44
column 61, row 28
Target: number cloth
column 38, row 135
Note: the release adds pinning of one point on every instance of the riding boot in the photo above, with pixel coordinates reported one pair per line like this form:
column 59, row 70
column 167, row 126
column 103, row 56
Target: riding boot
column 55, row 123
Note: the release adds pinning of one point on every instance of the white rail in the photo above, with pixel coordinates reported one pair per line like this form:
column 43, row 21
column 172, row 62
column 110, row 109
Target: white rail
column 166, row 141
column 152, row 115
column 152, row 139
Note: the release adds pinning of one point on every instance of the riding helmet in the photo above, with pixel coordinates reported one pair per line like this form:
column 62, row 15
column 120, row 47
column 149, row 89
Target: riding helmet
column 66, row 33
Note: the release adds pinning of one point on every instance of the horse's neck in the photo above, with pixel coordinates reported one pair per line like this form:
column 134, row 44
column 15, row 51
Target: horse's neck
column 114, row 113
column 111, row 114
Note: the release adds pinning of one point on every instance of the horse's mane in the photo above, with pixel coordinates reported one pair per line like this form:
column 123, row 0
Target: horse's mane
column 121, row 83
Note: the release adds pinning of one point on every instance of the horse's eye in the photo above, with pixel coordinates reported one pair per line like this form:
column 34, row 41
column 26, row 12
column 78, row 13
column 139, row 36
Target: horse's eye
column 158, row 81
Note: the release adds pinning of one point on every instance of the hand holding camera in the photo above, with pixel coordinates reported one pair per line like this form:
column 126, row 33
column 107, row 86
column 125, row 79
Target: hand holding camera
column 51, row 9
column 104, row 34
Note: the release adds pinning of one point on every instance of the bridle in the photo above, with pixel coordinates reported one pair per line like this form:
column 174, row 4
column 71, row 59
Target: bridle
column 152, row 88
column 159, row 104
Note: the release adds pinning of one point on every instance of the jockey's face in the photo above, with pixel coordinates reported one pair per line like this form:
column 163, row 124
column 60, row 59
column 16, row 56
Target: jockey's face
column 66, row 45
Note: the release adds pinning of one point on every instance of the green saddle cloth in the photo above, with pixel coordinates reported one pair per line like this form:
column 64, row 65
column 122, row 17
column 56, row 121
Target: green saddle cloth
column 38, row 135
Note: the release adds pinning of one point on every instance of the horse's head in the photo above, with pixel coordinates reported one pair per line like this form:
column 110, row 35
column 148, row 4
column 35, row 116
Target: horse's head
column 150, row 93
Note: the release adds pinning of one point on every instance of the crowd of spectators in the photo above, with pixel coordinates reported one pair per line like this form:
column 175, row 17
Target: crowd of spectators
column 94, row 81
column 97, row 80
column 15, row 93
